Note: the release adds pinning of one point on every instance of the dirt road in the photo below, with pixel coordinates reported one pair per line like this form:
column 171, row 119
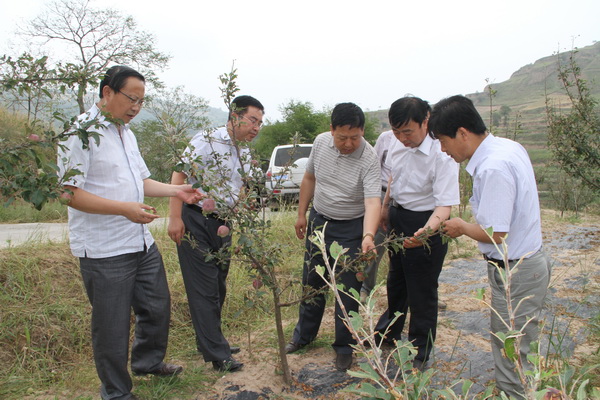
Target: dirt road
column 17, row 234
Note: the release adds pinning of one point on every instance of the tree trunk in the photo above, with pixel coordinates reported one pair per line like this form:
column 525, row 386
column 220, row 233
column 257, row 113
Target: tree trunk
column 285, row 368
column 80, row 94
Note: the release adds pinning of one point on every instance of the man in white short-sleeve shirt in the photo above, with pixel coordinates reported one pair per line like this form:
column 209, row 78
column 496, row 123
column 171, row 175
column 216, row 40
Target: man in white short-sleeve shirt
column 218, row 157
column 121, row 266
column 505, row 198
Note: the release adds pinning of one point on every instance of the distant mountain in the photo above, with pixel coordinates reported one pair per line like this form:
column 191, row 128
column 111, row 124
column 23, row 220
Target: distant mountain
column 216, row 116
column 525, row 93
column 526, row 90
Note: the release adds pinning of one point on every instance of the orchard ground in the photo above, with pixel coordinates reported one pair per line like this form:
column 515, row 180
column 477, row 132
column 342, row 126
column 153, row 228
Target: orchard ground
column 462, row 346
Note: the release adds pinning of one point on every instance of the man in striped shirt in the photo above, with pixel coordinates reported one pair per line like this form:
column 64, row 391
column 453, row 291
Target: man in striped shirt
column 343, row 180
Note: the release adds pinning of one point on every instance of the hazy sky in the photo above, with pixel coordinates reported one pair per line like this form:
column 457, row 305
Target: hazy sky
column 330, row 51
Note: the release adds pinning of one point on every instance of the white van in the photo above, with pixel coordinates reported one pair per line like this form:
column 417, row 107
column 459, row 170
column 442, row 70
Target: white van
column 285, row 173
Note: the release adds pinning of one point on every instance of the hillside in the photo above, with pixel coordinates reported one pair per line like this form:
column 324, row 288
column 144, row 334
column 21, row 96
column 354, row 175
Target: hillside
column 525, row 93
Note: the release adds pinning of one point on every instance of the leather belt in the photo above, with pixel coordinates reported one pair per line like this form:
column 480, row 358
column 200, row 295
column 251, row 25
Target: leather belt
column 499, row 263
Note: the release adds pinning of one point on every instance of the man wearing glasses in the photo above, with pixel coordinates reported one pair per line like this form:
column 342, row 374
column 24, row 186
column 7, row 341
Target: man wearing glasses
column 120, row 264
column 217, row 159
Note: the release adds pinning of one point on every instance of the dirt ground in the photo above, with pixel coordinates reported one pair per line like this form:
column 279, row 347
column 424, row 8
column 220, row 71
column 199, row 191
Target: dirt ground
column 462, row 348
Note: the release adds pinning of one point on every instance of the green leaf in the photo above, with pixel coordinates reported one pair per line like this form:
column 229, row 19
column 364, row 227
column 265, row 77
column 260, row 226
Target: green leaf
column 581, row 393
column 335, row 250
column 320, row 270
column 466, row 386
column 509, row 349
column 480, row 294
column 38, row 199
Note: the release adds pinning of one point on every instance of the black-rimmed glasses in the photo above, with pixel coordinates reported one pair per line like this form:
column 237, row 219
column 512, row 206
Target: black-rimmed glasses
column 134, row 101
column 254, row 121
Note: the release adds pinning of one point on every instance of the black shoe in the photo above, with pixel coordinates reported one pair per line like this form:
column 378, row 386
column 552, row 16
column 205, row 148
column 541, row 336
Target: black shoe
column 343, row 362
column 293, row 347
column 227, row 365
column 234, row 349
column 165, row 369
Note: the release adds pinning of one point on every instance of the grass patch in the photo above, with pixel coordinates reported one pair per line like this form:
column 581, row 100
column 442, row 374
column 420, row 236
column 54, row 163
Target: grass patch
column 21, row 212
column 45, row 342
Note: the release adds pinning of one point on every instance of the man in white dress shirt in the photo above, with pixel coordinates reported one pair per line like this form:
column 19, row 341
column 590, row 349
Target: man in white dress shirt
column 423, row 188
column 219, row 157
column 505, row 198
column 381, row 147
column 120, row 263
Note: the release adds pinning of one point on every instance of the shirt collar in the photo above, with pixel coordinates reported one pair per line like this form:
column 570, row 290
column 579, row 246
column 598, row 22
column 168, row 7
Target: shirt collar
column 425, row 146
column 480, row 154
column 223, row 134
column 95, row 113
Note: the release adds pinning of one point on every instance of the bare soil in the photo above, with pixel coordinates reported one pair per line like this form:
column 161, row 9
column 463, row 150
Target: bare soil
column 462, row 347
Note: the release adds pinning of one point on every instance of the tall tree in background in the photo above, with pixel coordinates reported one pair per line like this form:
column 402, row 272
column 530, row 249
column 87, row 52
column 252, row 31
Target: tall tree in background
column 178, row 116
column 573, row 135
column 298, row 118
column 95, row 39
column 301, row 119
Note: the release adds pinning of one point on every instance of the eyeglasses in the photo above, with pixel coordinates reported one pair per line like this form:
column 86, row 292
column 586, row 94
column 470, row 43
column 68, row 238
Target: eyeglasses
column 254, row 121
column 134, row 101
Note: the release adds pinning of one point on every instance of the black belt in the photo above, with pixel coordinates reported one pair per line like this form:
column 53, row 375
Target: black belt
column 328, row 219
column 383, row 189
column 499, row 263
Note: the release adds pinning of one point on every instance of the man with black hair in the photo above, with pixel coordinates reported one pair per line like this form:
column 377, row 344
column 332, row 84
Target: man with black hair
column 505, row 198
column 218, row 156
column 120, row 263
column 342, row 179
column 422, row 189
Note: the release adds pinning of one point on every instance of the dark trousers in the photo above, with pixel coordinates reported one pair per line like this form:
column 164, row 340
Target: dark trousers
column 349, row 235
column 412, row 283
column 114, row 286
column 205, row 281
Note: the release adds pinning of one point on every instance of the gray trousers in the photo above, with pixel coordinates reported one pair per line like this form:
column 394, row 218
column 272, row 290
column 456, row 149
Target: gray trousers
column 531, row 278
column 205, row 281
column 114, row 286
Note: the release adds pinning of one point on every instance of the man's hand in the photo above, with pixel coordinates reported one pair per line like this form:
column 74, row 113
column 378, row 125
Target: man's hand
column 453, row 227
column 300, row 227
column 176, row 229
column 139, row 213
column 416, row 240
column 368, row 245
column 189, row 195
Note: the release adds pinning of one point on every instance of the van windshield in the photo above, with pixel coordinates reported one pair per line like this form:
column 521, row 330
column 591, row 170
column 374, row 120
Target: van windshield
column 290, row 155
